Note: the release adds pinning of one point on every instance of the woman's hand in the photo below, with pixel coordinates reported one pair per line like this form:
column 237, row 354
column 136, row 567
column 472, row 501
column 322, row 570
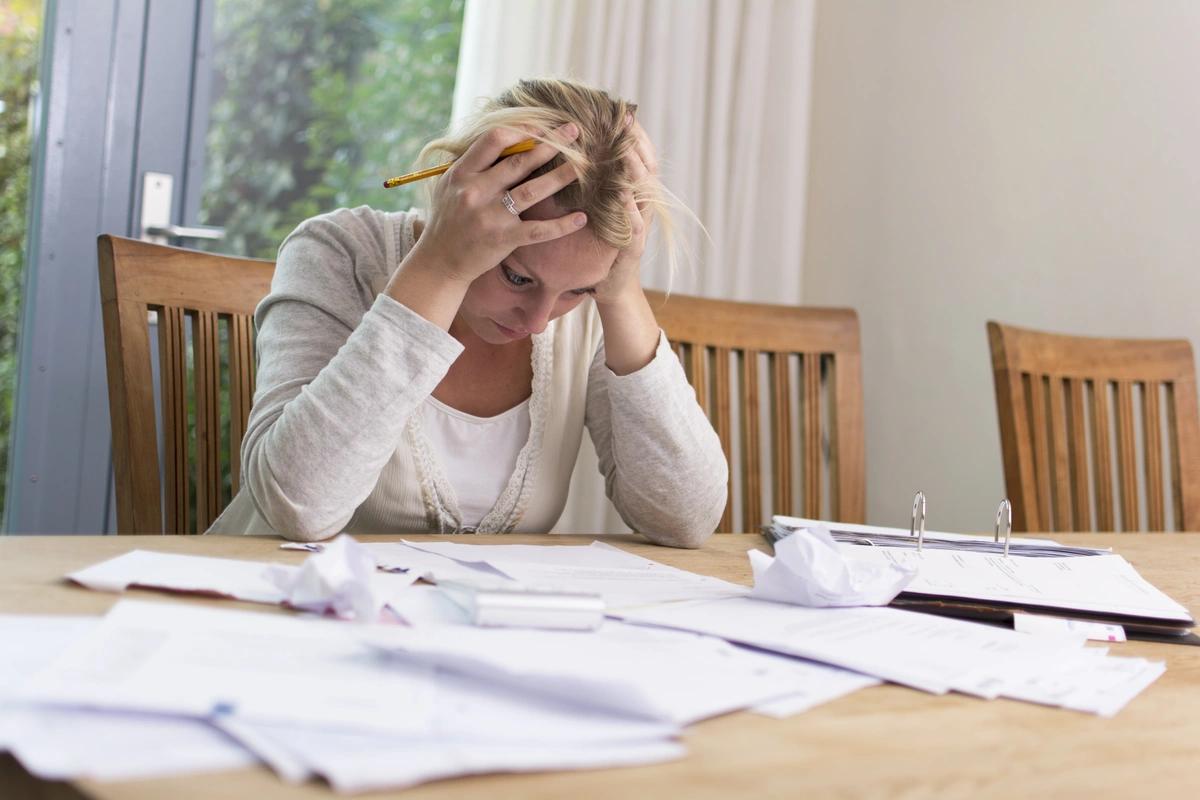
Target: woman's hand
column 470, row 228
column 625, row 278
column 630, row 331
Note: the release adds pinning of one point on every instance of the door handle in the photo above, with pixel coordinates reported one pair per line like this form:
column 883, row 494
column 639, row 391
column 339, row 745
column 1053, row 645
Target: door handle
column 157, row 196
column 184, row 231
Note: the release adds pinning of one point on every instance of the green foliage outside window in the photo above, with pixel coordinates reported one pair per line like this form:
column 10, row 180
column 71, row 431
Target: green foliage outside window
column 315, row 102
column 20, row 24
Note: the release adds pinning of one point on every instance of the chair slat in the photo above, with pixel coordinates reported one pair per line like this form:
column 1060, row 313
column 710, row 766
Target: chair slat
column 172, row 370
column 241, row 389
column 698, row 361
column 1152, row 437
column 722, row 419
column 811, row 363
column 1041, row 447
column 1060, row 464
column 1102, row 456
column 1126, row 457
column 751, row 479
column 207, row 359
column 847, row 489
column 781, row 443
column 1076, row 389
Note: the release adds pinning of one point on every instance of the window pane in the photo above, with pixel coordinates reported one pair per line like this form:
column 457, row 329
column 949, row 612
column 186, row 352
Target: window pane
column 314, row 103
column 20, row 35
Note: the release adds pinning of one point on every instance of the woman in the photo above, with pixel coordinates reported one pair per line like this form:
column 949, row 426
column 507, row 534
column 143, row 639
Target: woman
column 436, row 374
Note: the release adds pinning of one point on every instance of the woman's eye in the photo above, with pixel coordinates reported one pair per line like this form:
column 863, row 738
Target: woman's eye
column 583, row 292
column 514, row 278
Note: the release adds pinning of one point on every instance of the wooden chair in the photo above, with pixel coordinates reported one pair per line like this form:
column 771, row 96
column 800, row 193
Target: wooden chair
column 205, row 353
column 795, row 372
column 1054, row 394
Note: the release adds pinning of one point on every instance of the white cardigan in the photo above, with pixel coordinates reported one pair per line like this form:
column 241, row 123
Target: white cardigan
column 334, row 444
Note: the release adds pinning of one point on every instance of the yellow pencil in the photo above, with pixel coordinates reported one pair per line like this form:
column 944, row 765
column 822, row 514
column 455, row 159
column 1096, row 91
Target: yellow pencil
column 391, row 183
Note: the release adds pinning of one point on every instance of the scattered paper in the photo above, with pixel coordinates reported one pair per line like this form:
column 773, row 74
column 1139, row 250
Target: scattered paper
column 623, row 579
column 934, row 654
column 1040, row 625
column 341, row 579
column 621, row 669
column 810, row 570
column 69, row 743
column 188, row 660
column 353, row 762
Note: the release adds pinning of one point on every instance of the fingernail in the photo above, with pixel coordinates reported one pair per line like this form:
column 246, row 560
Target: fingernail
column 570, row 129
column 580, row 220
column 628, row 118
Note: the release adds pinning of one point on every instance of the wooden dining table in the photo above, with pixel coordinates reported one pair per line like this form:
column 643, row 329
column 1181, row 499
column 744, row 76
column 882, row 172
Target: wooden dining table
column 888, row 741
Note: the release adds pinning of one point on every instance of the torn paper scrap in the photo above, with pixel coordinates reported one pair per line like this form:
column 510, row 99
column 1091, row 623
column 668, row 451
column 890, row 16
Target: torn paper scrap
column 224, row 577
column 810, row 570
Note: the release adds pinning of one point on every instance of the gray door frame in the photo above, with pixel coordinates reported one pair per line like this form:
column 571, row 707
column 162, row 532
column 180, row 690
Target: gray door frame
column 125, row 90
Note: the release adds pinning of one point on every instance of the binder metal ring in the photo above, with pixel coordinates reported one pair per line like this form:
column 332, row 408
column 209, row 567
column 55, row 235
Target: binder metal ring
column 918, row 501
column 1004, row 512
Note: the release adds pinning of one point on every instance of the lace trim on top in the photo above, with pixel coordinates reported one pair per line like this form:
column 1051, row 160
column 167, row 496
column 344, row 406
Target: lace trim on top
column 437, row 493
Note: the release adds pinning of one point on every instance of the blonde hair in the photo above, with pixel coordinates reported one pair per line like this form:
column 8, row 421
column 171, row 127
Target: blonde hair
column 598, row 154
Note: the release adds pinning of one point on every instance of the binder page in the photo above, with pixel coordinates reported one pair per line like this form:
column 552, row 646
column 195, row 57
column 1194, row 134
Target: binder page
column 1105, row 584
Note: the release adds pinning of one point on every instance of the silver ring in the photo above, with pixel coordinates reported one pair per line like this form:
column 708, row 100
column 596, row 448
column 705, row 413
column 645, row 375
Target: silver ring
column 510, row 204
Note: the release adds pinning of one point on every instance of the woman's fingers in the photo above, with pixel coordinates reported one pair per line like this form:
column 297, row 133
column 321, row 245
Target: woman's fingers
column 532, row 192
column 484, row 151
column 545, row 230
column 513, row 169
column 644, row 148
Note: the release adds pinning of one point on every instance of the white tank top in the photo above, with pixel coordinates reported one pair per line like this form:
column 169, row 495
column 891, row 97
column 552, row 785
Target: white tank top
column 477, row 454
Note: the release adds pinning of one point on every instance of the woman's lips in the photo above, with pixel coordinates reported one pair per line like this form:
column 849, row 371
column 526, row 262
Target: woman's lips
column 509, row 332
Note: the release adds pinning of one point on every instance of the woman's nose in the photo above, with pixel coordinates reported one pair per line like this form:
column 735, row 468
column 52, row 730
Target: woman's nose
column 537, row 315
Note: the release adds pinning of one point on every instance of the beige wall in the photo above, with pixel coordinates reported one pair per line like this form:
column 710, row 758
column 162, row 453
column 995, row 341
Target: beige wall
column 1029, row 161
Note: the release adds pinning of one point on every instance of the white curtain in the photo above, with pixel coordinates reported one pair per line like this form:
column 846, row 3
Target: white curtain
column 723, row 90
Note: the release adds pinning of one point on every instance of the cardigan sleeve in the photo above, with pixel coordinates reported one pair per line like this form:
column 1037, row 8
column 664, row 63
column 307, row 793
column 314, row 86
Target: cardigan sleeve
column 662, row 462
column 340, row 372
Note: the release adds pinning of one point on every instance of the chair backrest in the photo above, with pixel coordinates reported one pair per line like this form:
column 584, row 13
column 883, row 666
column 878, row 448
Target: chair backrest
column 1064, row 400
column 203, row 306
column 782, row 385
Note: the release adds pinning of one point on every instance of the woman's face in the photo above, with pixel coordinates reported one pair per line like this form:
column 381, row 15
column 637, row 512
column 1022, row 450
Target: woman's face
column 536, row 283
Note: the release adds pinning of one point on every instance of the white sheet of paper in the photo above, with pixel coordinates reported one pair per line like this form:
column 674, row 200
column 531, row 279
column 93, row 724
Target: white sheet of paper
column 410, row 559
column 623, row 579
column 356, row 762
column 468, row 713
column 935, row 654
column 227, row 577
column 1040, row 625
column 62, row 744
column 67, row 743
column 1101, row 684
column 642, row 672
column 188, row 660
column 252, row 581
column 1106, row 584
column 810, row 570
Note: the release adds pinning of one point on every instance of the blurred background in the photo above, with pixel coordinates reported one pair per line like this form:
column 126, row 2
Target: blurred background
column 931, row 163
